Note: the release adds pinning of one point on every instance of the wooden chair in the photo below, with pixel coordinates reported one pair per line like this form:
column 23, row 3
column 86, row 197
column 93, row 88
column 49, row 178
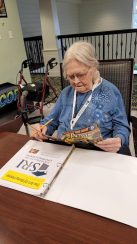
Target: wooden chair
column 12, row 125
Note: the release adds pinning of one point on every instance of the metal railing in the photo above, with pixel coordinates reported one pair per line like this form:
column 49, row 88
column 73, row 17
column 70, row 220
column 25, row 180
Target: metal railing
column 117, row 44
column 34, row 52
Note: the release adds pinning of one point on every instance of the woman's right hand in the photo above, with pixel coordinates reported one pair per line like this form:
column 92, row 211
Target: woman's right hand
column 39, row 133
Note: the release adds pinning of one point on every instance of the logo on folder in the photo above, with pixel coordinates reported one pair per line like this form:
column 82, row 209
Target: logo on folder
column 36, row 169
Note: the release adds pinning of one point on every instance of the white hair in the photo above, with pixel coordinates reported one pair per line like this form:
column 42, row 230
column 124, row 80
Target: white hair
column 81, row 51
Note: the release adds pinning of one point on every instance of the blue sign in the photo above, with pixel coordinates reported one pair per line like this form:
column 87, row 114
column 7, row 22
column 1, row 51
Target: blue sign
column 8, row 97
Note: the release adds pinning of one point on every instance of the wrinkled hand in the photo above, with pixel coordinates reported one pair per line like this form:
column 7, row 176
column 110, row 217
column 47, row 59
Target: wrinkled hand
column 110, row 144
column 39, row 133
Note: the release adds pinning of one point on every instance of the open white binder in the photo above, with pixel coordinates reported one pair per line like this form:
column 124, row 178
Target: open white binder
column 97, row 182
column 34, row 167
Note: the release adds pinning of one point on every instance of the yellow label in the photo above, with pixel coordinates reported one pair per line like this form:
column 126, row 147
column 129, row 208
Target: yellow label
column 23, row 179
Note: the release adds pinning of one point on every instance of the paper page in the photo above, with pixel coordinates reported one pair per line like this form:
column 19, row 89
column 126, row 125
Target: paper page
column 33, row 168
column 100, row 183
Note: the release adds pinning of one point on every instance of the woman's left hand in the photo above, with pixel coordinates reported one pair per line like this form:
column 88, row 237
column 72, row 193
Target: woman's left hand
column 110, row 144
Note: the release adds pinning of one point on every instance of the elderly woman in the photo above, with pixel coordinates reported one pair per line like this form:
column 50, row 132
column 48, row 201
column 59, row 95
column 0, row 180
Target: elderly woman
column 88, row 100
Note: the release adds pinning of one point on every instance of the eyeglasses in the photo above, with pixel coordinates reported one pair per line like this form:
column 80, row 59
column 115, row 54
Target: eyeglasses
column 79, row 76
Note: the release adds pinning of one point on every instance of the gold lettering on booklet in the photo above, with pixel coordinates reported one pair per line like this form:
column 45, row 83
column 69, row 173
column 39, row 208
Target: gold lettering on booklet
column 84, row 135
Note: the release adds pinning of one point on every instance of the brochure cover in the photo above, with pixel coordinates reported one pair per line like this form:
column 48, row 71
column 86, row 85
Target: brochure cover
column 33, row 168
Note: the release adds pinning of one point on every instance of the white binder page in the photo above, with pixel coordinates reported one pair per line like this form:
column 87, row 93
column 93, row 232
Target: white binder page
column 99, row 182
column 33, row 168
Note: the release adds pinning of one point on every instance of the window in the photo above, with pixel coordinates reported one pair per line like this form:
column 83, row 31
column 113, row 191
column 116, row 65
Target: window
column 134, row 14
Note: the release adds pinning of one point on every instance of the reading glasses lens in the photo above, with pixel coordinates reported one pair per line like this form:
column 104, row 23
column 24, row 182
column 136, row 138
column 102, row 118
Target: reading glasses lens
column 78, row 76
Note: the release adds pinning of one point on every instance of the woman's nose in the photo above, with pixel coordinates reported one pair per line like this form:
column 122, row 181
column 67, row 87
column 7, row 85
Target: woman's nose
column 76, row 80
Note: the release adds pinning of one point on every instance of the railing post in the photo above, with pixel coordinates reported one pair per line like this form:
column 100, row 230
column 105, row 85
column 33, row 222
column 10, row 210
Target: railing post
column 103, row 47
column 62, row 48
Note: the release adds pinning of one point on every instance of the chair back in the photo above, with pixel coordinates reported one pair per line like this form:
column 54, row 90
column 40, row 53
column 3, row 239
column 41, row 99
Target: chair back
column 134, row 128
column 12, row 125
column 120, row 73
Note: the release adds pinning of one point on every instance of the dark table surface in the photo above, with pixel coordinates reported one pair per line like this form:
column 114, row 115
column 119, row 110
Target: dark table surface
column 28, row 219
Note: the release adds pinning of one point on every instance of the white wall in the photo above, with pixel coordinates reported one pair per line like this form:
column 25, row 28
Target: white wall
column 77, row 16
column 50, row 29
column 12, row 50
column 30, row 17
column 103, row 15
column 68, row 14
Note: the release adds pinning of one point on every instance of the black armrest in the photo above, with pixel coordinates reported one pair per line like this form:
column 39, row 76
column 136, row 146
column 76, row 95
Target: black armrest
column 134, row 127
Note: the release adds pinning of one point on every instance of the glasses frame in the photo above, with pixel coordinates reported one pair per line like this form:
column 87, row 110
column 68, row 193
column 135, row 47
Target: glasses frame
column 79, row 76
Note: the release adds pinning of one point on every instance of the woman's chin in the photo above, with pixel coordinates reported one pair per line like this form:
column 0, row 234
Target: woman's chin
column 81, row 89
